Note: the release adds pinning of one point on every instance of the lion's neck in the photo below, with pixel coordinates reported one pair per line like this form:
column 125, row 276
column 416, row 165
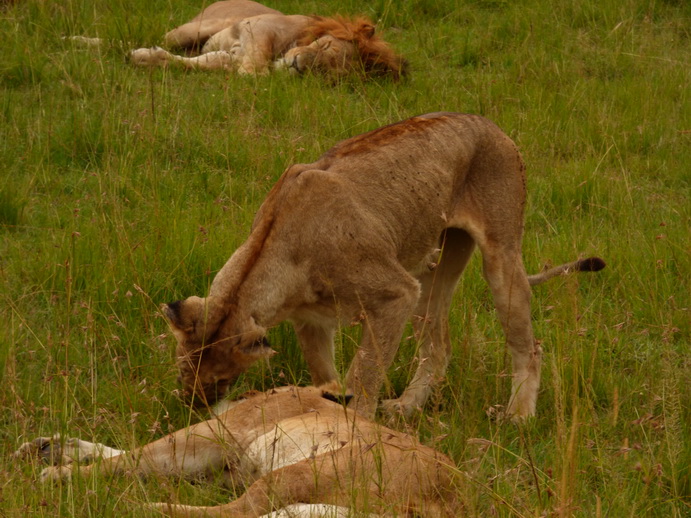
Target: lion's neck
column 257, row 283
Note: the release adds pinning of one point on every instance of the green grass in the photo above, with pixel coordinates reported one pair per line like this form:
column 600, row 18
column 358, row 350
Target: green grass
column 123, row 188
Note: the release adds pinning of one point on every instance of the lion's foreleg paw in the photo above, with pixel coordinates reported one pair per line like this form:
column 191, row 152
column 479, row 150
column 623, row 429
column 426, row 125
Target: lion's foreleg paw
column 150, row 57
column 55, row 473
column 397, row 408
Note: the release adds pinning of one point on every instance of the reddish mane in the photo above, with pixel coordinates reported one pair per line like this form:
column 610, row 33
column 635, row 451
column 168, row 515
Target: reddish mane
column 375, row 54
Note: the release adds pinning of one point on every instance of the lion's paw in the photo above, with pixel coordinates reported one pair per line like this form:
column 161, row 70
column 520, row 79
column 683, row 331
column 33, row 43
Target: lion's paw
column 150, row 57
column 248, row 68
column 166, row 509
column 55, row 473
column 288, row 63
column 397, row 408
column 47, row 449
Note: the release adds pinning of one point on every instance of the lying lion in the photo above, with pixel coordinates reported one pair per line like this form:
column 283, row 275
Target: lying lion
column 251, row 38
column 349, row 239
column 288, row 446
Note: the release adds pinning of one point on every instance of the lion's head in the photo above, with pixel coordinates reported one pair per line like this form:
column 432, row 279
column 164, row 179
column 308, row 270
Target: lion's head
column 342, row 46
column 214, row 346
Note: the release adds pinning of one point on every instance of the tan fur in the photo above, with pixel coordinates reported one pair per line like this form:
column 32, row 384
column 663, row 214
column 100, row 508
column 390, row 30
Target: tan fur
column 288, row 446
column 349, row 238
column 248, row 37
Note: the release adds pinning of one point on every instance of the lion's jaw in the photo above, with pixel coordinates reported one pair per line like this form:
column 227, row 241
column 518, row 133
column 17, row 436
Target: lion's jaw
column 206, row 371
column 213, row 347
column 205, row 374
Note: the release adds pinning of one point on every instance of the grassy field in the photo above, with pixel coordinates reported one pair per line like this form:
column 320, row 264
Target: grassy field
column 123, row 188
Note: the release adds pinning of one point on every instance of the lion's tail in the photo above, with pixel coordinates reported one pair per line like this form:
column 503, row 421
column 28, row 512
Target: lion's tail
column 591, row 264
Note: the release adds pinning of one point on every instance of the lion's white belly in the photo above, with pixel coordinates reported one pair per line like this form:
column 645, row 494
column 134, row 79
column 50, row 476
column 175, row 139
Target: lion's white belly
column 311, row 511
column 294, row 440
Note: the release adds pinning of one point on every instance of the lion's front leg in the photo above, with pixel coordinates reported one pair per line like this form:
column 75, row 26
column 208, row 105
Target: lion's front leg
column 151, row 57
column 390, row 304
column 317, row 344
column 216, row 60
column 192, row 452
column 56, row 473
column 156, row 56
column 115, row 464
column 54, row 450
column 66, row 455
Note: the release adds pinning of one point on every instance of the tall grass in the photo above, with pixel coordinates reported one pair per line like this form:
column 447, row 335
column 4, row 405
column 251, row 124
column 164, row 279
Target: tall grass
column 123, row 188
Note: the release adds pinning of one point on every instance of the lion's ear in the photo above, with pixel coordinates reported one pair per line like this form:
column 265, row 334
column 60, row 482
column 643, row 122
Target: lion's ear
column 172, row 313
column 193, row 316
column 367, row 30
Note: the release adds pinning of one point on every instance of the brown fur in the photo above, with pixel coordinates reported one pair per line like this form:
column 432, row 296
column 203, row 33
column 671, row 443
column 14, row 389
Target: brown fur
column 286, row 446
column 350, row 238
column 247, row 37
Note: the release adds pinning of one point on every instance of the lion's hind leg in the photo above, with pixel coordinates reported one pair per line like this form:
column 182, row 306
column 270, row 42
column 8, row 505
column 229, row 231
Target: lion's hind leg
column 256, row 51
column 491, row 209
column 504, row 271
column 194, row 34
column 289, row 511
column 322, row 485
column 47, row 449
column 286, row 486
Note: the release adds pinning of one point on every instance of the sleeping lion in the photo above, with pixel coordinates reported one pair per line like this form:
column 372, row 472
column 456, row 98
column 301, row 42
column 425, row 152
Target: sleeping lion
column 376, row 232
column 251, row 38
column 296, row 453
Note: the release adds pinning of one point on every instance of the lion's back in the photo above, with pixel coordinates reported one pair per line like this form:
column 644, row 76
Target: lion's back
column 422, row 135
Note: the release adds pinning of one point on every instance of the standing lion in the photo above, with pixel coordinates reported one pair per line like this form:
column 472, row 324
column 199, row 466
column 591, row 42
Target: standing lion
column 349, row 239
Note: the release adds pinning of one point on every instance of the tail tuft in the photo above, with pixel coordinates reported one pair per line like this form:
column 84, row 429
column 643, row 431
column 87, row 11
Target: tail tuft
column 591, row 264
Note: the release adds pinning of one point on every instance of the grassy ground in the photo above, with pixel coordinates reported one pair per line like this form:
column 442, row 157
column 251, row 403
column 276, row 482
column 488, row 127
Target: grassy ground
column 123, row 188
